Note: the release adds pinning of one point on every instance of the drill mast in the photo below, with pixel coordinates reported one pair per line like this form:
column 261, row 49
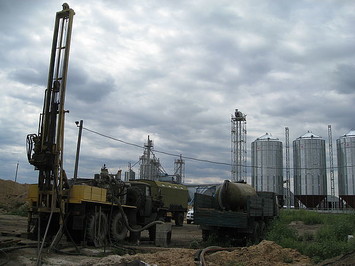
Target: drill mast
column 45, row 150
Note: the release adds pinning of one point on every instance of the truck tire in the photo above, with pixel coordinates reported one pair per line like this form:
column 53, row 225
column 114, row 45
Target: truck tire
column 262, row 229
column 152, row 232
column 205, row 235
column 255, row 236
column 97, row 229
column 118, row 228
column 179, row 218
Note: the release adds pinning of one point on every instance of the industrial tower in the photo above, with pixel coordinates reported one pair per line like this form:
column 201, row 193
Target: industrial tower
column 179, row 170
column 150, row 167
column 331, row 165
column 238, row 145
column 288, row 177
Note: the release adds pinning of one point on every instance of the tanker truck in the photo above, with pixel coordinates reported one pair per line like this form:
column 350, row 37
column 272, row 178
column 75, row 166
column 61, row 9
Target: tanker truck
column 235, row 211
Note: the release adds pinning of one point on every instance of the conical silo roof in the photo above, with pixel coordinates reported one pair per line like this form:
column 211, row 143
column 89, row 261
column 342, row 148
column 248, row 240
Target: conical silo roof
column 267, row 136
column 351, row 133
column 310, row 135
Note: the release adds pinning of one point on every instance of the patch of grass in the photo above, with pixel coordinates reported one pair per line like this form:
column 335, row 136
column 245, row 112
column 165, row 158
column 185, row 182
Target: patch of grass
column 307, row 217
column 21, row 209
column 280, row 231
column 307, row 236
column 194, row 244
column 310, row 218
column 329, row 241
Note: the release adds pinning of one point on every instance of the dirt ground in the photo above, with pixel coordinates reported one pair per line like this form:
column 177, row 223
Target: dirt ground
column 179, row 252
column 303, row 229
column 12, row 195
column 16, row 249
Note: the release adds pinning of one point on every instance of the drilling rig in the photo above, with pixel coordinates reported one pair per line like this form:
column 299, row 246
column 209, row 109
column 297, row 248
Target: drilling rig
column 45, row 149
column 94, row 211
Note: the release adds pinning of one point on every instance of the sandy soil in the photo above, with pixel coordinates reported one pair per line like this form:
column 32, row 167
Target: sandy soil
column 16, row 249
column 13, row 228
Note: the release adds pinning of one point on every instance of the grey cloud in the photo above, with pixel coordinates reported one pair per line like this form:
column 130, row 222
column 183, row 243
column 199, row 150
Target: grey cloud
column 89, row 88
column 280, row 62
column 345, row 78
column 29, row 76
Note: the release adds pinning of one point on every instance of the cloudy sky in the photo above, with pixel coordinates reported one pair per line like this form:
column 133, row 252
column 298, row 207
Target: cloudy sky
column 177, row 70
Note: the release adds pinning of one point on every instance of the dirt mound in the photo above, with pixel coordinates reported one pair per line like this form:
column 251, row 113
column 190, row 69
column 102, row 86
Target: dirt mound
column 12, row 195
column 265, row 253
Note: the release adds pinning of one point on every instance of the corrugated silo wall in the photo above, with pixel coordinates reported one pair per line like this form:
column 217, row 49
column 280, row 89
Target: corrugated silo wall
column 309, row 163
column 346, row 168
column 267, row 166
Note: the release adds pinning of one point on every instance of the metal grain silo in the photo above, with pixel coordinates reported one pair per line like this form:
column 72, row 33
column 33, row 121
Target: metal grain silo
column 267, row 162
column 346, row 167
column 309, row 163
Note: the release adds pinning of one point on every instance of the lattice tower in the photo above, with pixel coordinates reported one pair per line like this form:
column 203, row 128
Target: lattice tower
column 238, row 146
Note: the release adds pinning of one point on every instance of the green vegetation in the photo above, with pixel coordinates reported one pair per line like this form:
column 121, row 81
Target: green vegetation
column 20, row 209
column 329, row 240
column 16, row 208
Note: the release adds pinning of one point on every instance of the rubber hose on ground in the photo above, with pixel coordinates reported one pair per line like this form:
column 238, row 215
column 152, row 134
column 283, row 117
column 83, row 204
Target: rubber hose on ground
column 125, row 219
column 209, row 249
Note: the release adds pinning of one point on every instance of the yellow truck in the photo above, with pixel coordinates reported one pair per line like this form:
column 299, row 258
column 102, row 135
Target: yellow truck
column 104, row 209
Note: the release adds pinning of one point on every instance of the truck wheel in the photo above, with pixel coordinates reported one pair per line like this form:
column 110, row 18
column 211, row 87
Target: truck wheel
column 97, row 229
column 118, row 228
column 179, row 219
column 152, row 232
column 262, row 230
column 205, row 235
column 255, row 236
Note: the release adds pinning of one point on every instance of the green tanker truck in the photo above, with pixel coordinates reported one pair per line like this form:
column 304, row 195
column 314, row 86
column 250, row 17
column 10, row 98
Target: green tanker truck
column 235, row 211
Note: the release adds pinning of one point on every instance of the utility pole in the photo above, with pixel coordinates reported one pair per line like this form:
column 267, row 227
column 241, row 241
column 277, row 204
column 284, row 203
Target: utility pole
column 16, row 170
column 80, row 125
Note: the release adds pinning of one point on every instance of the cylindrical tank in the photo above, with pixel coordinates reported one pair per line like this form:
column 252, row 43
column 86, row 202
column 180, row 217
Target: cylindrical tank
column 233, row 196
column 267, row 162
column 346, row 167
column 309, row 163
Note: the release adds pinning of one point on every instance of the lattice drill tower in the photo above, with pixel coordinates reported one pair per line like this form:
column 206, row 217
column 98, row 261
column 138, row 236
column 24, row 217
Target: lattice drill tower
column 238, row 146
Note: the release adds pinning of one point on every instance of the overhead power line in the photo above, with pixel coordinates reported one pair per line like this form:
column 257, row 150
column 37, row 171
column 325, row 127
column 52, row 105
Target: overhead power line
column 193, row 158
column 115, row 139
column 157, row 151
